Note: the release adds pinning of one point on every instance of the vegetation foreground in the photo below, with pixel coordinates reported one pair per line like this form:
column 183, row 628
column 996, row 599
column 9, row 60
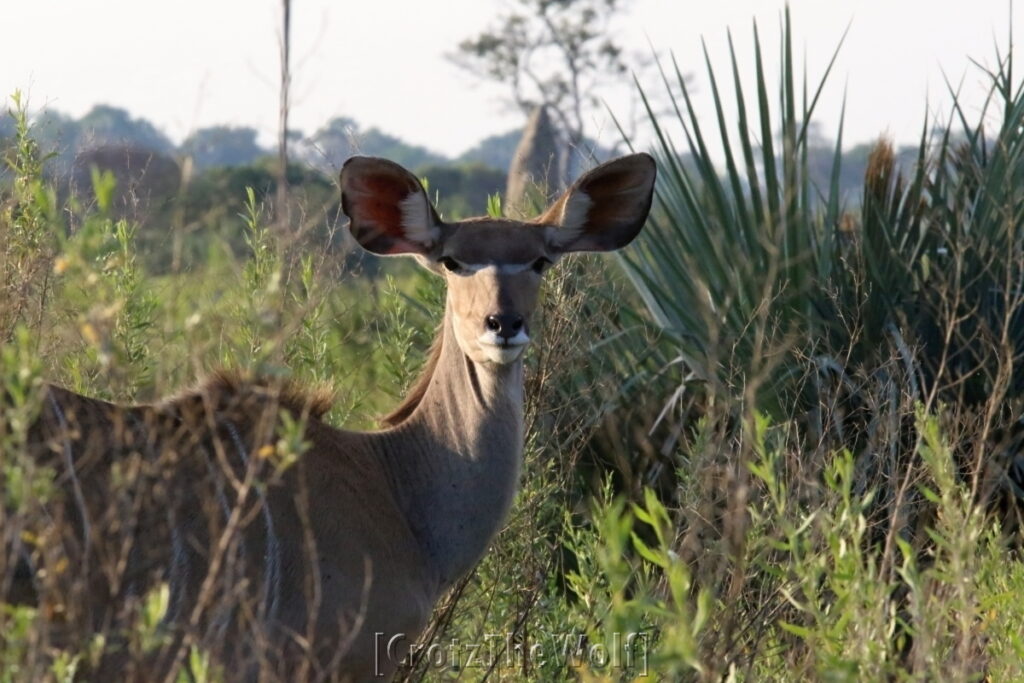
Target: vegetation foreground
column 781, row 442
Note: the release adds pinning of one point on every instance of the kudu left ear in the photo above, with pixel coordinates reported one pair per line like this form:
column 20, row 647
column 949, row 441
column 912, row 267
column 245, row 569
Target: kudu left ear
column 605, row 209
column 388, row 210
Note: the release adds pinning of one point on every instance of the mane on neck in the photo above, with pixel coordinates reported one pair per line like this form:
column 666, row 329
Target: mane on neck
column 416, row 392
column 230, row 388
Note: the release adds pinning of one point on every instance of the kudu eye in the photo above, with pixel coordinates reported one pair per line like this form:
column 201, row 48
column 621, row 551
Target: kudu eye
column 449, row 263
column 540, row 265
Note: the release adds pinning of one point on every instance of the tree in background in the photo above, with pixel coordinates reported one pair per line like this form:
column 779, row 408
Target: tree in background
column 498, row 150
column 62, row 137
column 495, row 151
column 6, row 127
column 461, row 189
column 106, row 125
column 144, row 180
column 58, row 136
column 554, row 53
column 341, row 138
column 222, row 146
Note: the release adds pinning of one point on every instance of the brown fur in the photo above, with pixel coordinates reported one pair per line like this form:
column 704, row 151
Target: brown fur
column 238, row 386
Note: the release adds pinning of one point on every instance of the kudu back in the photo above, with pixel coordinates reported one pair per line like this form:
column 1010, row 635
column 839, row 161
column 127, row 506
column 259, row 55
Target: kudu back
column 330, row 568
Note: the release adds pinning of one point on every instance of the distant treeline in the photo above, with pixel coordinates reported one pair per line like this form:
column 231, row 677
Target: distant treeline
column 188, row 199
column 325, row 149
column 195, row 191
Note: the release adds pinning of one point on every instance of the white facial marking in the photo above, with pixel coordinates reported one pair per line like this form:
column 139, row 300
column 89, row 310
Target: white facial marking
column 497, row 268
column 503, row 355
column 513, row 268
column 502, row 351
column 417, row 221
column 494, row 339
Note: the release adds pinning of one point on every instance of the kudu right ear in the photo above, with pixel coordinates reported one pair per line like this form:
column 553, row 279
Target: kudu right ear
column 605, row 208
column 388, row 211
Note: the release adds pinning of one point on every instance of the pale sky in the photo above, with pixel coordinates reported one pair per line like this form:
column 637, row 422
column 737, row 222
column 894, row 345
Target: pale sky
column 193, row 63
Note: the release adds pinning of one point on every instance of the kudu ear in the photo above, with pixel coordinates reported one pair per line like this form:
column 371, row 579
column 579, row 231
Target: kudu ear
column 388, row 211
column 605, row 209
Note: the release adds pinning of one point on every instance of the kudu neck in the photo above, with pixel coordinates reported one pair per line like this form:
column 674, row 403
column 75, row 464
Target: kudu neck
column 459, row 473
column 475, row 392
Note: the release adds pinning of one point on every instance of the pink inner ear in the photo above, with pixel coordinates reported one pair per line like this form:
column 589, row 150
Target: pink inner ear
column 376, row 200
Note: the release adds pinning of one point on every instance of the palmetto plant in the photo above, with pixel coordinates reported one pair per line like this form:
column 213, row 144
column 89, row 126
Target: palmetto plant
column 763, row 280
column 738, row 246
column 855, row 362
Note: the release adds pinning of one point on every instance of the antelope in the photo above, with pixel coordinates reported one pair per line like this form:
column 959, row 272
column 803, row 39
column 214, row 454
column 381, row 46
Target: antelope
column 348, row 550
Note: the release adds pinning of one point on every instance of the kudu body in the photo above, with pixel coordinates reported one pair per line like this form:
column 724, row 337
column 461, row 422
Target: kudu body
column 348, row 550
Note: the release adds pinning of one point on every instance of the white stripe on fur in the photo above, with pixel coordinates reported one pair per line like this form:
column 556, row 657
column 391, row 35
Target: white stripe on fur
column 575, row 213
column 500, row 268
column 417, row 220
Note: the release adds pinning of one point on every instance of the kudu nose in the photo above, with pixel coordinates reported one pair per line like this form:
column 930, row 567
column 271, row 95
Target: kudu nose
column 505, row 325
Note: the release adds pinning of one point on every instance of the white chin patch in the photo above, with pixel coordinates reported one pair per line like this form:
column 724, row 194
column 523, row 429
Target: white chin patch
column 503, row 355
column 500, row 351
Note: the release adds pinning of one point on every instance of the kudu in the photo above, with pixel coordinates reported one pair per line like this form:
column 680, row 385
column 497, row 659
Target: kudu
column 346, row 552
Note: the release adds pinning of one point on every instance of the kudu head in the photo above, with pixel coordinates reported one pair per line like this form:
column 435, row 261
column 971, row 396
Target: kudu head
column 494, row 266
